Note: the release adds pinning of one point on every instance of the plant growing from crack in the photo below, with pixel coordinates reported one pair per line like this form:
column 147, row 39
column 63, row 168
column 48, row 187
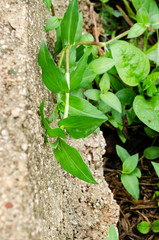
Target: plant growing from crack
column 126, row 90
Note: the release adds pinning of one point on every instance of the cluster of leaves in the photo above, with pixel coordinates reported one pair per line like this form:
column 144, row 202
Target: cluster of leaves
column 126, row 90
column 145, row 227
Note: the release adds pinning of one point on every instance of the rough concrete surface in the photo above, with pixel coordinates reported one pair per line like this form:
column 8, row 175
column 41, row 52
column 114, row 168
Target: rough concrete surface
column 38, row 199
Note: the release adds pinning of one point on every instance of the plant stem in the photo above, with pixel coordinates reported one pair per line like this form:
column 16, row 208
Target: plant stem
column 145, row 40
column 67, row 75
column 52, row 10
column 61, row 58
column 98, row 44
column 118, row 37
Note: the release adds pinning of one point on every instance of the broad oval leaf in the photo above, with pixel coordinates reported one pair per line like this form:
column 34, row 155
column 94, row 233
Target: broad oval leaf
column 80, row 126
column 101, row 65
column 52, row 76
column 122, row 153
column 130, row 164
column 52, row 23
column 147, row 111
column 93, row 94
column 112, row 100
column 143, row 227
column 131, row 184
column 51, row 132
column 81, row 107
column 72, row 162
column 151, row 152
column 137, row 30
column 155, row 226
column 69, row 23
column 131, row 63
column 156, row 167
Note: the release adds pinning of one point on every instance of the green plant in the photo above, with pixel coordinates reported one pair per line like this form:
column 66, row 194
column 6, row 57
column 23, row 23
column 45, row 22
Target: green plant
column 145, row 227
column 112, row 233
column 130, row 172
column 125, row 88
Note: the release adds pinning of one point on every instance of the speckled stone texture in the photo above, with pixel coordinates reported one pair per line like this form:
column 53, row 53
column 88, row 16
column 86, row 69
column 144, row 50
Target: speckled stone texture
column 38, row 199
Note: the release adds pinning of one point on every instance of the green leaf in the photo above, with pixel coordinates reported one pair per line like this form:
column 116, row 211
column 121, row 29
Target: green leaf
column 112, row 100
column 136, row 173
column 80, row 126
column 155, row 226
column 52, row 76
column 142, row 16
column 131, row 63
column 81, row 107
column 137, row 30
column 51, row 132
column 104, row 1
column 115, row 84
column 101, row 65
column 79, row 28
column 77, row 75
column 69, row 23
column 122, row 153
column 93, row 94
column 130, row 164
column 143, row 227
column 151, row 91
column 156, row 167
column 149, row 5
column 87, row 37
column 88, row 77
column 147, row 111
column 131, row 184
column 71, row 161
column 52, row 23
column 104, row 83
column 112, row 233
column 151, row 78
column 150, row 133
column 47, row 3
column 126, row 96
column 58, row 43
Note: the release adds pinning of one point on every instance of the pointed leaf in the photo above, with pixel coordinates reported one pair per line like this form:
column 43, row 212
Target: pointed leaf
column 77, row 75
column 52, row 23
column 52, row 76
column 112, row 100
column 93, row 94
column 130, row 164
column 122, row 153
column 58, row 43
column 47, row 3
column 87, row 78
column 69, row 23
column 151, row 78
column 79, row 28
column 81, row 107
column 71, row 161
column 112, row 233
column 101, row 65
column 80, row 126
column 104, row 83
column 142, row 16
column 156, row 167
column 137, row 30
column 51, row 132
column 131, row 184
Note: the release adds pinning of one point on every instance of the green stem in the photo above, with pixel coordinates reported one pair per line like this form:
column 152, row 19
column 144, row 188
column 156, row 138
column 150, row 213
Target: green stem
column 118, row 37
column 98, row 44
column 145, row 40
column 67, row 75
column 61, row 58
